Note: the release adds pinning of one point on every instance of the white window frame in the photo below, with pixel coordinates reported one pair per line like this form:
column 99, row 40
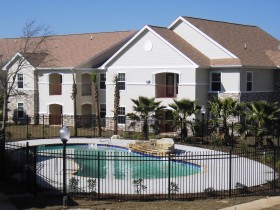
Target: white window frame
column 122, row 81
column 20, row 81
column 122, row 115
column 211, row 81
column 101, row 104
column 247, row 81
column 18, row 110
column 102, row 81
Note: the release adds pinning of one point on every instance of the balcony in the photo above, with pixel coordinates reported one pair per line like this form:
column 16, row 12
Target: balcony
column 54, row 89
column 86, row 89
column 166, row 91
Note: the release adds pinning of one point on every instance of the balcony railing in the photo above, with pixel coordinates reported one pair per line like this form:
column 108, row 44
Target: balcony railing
column 166, row 91
column 55, row 89
column 86, row 89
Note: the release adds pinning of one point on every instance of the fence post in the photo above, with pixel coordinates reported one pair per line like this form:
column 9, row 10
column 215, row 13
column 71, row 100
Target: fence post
column 169, row 175
column 26, row 120
column 64, row 168
column 27, row 164
column 230, row 171
column 98, row 175
column 35, row 171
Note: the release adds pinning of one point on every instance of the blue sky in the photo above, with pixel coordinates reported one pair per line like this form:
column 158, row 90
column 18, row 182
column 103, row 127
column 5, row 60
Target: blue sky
column 82, row 16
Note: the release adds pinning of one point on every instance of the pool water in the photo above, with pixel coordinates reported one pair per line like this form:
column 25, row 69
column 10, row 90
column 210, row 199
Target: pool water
column 120, row 163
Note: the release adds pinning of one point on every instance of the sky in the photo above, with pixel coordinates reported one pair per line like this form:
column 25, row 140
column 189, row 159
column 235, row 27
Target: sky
column 91, row 16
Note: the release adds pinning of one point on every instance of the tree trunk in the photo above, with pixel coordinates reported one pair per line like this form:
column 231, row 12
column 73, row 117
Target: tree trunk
column 116, row 105
column 96, row 97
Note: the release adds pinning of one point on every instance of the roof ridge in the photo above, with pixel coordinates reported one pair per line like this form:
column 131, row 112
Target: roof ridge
column 87, row 33
column 157, row 26
column 218, row 21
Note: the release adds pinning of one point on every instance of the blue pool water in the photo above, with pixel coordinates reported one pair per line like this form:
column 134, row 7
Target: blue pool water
column 120, row 163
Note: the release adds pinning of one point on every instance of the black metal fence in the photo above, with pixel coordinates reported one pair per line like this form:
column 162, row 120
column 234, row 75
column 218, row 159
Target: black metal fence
column 47, row 126
column 125, row 175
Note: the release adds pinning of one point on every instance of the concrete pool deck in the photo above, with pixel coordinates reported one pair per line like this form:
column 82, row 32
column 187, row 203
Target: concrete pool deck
column 215, row 172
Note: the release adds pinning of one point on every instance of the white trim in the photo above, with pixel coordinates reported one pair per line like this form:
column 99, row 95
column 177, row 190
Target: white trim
column 12, row 59
column 121, row 106
column 146, row 27
column 152, row 67
column 55, row 68
column 43, row 113
column 125, row 80
column 56, row 103
column 226, row 66
column 87, row 102
column 167, row 71
column 203, row 34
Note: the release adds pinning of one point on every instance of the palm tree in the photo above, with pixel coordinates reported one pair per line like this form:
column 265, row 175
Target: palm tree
column 74, row 98
column 96, row 102
column 260, row 117
column 221, row 110
column 182, row 110
column 145, row 109
column 116, row 104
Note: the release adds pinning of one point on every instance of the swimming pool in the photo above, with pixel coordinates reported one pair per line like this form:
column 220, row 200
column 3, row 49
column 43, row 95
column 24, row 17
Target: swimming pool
column 101, row 161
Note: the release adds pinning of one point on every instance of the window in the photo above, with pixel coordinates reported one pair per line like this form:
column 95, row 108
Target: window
column 121, row 115
column 20, row 80
column 121, row 81
column 20, row 111
column 102, row 110
column 249, row 81
column 216, row 81
column 102, row 84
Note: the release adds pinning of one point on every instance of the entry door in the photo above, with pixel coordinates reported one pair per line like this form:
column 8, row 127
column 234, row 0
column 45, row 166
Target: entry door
column 169, row 85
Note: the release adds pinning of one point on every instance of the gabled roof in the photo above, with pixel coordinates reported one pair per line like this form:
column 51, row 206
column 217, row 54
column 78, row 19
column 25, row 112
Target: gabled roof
column 183, row 46
column 68, row 50
column 248, row 43
column 173, row 40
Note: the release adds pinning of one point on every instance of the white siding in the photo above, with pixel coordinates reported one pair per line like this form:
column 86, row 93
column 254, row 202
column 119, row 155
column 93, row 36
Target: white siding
column 200, row 42
column 159, row 54
column 64, row 99
column 136, row 86
column 231, row 80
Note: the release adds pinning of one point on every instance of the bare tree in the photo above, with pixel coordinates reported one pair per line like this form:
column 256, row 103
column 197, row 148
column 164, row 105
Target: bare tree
column 32, row 48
